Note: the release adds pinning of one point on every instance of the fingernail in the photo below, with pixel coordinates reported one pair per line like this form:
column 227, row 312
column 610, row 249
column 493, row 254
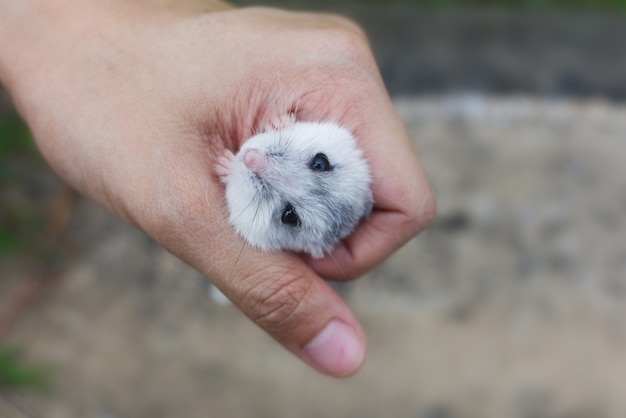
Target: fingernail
column 337, row 350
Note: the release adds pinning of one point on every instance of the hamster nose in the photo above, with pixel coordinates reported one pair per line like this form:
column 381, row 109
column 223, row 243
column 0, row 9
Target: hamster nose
column 254, row 160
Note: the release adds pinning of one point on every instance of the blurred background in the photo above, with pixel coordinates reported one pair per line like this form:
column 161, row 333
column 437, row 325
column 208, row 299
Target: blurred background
column 511, row 305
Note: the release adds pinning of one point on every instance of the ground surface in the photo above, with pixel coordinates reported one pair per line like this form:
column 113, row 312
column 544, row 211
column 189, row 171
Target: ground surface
column 511, row 305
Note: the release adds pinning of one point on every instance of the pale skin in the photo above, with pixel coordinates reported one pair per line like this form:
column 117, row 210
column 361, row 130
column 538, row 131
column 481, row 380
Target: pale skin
column 133, row 101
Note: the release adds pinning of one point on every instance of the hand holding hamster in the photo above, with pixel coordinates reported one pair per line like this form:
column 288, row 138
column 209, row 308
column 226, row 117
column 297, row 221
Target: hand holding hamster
column 132, row 103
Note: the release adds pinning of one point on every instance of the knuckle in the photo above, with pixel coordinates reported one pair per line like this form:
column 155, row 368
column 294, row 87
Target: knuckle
column 352, row 29
column 427, row 210
column 351, row 40
column 347, row 38
column 424, row 210
column 275, row 301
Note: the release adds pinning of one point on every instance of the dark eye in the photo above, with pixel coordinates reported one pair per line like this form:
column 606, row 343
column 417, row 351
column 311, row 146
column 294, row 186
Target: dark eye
column 289, row 216
column 320, row 163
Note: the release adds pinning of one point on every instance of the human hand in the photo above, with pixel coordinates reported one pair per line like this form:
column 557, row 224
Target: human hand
column 132, row 104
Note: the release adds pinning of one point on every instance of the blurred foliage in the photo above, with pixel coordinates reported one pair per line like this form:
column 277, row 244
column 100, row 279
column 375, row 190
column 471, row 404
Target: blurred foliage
column 22, row 231
column 20, row 227
column 15, row 373
column 582, row 5
column 530, row 4
column 21, row 221
column 15, row 137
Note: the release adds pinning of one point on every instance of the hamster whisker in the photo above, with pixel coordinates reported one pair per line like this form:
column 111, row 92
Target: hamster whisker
column 236, row 219
column 343, row 273
column 289, row 137
column 207, row 271
column 295, row 110
column 386, row 196
column 282, row 96
column 282, row 99
column 243, row 245
column 225, row 212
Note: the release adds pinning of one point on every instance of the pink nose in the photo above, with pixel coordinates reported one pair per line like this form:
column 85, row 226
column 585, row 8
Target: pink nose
column 255, row 160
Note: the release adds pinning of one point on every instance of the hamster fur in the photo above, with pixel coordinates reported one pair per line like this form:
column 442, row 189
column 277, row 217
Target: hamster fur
column 302, row 187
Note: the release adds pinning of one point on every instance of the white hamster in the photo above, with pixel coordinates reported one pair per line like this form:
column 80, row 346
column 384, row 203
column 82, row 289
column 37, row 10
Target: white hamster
column 302, row 187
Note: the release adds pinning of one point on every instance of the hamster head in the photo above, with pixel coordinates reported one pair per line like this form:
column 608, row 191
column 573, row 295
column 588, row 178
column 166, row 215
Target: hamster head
column 302, row 188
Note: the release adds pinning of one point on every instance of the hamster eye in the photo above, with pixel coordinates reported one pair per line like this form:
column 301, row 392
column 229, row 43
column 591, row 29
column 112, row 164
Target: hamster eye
column 289, row 216
column 320, row 163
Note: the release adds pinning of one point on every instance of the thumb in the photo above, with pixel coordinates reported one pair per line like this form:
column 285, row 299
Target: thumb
column 181, row 209
column 282, row 295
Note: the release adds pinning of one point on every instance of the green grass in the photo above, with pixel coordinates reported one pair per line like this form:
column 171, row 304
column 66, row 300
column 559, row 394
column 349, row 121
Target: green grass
column 16, row 141
column 15, row 373
column 15, row 137
column 22, row 226
column 21, row 221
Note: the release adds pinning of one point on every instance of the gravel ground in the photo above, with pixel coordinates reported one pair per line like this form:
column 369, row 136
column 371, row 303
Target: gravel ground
column 510, row 305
